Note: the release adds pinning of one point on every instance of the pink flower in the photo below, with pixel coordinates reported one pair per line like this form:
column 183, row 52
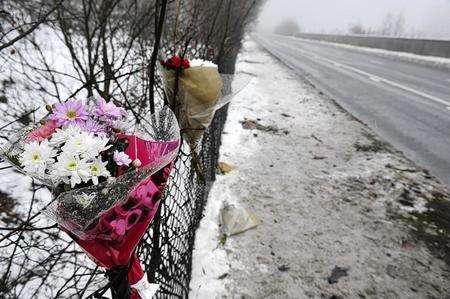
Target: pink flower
column 43, row 132
column 119, row 227
column 94, row 127
column 121, row 158
column 70, row 112
column 145, row 191
column 108, row 109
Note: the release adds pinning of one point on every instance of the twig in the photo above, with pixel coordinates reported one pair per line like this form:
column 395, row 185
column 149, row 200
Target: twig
column 159, row 29
column 32, row 28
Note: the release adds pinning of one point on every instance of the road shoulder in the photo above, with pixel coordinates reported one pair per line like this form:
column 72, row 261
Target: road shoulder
column 329, row 194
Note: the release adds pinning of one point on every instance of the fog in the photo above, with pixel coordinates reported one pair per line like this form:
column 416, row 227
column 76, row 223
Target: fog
column 423, row 18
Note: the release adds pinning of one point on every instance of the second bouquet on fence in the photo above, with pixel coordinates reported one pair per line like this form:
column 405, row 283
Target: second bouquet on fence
column 195, row 91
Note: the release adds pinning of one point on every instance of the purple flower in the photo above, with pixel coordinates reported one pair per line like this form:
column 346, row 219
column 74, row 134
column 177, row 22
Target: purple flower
column 70, row 112
column 94, row 127
column 121, row 158
column 108, row 109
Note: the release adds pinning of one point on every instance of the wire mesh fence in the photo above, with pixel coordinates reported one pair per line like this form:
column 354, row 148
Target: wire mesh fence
column 166, row 250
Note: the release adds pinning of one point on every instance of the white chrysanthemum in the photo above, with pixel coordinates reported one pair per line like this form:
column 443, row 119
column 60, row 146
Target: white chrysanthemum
column 62, row 135
column 71, row 169
column 80, row 144
column 98, row 169
column 86, row 145
column 36, row 157
column 97, row 145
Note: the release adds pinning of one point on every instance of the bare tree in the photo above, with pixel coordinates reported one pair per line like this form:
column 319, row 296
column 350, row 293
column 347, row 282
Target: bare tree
column 393, row 25
column 19, row 22
column 357, row 29
column 288, row 27
column 399, row 26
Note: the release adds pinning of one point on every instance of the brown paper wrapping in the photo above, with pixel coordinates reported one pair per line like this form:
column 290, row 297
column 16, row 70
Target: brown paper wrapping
column 199, row 90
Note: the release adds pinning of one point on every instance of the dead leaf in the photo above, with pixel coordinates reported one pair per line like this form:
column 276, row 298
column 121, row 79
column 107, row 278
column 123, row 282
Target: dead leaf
column 336, row 274
column 408, row 245
column 224, row 275
column 283, row 268
column 319, row 158
column 225, row 168
column 222, row 239
column 249, row 125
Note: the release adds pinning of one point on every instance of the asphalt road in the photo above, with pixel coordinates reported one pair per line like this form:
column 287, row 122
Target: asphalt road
column 406, row 103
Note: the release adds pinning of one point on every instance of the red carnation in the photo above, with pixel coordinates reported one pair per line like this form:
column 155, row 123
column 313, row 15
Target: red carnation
column 176, row 62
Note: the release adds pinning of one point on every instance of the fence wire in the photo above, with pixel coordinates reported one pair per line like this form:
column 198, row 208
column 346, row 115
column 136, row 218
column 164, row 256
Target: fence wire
column 166, row 250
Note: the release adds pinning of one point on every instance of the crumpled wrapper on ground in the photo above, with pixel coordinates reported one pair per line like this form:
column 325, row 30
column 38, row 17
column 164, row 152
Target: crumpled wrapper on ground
column 235, row 219
column 201, row 92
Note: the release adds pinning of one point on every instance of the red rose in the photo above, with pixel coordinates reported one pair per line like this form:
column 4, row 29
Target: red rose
column 186, row 64
column 175, row 63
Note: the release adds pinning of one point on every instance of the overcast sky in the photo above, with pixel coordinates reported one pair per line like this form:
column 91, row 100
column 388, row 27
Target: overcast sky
column 425, row 17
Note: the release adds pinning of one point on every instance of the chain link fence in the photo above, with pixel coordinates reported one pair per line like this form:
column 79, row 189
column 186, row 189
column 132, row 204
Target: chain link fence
column 166, row 250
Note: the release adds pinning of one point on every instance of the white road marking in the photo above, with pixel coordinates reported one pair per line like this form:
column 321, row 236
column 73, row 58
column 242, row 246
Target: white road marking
column 383, row 80
column 423, row 94
column 375, row 78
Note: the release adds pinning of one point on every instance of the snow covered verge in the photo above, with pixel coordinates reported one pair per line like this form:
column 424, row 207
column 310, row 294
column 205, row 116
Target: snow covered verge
column 330, row 195
column 437, row 62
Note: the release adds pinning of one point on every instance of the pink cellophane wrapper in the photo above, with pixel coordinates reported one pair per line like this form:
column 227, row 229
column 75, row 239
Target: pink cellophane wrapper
column 109, row 220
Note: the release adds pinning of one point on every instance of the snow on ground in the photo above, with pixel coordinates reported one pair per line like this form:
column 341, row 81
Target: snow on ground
column 327, row 192
column 24, row 80
column 439, row 62
column 209, row 259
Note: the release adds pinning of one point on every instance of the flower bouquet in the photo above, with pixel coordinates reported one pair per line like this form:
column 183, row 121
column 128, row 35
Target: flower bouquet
column 107, row 181
column 201, row 91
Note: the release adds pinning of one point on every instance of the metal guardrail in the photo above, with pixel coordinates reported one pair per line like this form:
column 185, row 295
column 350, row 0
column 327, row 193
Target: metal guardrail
column 427, row 47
